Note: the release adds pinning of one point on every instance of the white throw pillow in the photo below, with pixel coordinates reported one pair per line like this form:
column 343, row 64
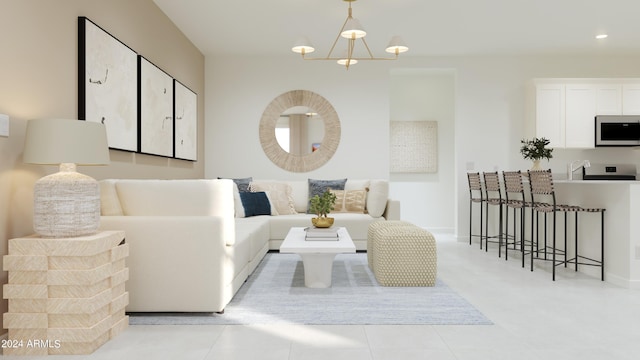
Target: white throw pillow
column 377, row 198
column 237, row 202
column 279, row 195
column 109, row 201
column 274, row 210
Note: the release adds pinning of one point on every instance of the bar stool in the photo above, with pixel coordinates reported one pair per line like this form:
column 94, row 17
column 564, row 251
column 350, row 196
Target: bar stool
column 475, row 196
column 541, row 183
column 493, row 196
column 514, row 199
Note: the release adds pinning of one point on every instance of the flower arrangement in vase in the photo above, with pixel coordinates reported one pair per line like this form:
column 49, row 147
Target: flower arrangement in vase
column 536, row 149
column 322, row 206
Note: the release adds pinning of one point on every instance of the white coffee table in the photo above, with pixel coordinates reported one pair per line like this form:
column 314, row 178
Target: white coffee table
column 317, row 256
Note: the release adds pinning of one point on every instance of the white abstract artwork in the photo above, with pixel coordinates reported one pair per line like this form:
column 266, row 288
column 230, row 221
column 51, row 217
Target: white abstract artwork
column 108, row 75
column 156, row 110
column 414, row 146
column 186, row 120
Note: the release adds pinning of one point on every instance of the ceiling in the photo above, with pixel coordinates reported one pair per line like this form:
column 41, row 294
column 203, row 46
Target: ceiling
column 429, row 27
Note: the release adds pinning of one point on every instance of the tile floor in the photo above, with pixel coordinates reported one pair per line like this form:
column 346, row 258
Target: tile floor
column 576, row 317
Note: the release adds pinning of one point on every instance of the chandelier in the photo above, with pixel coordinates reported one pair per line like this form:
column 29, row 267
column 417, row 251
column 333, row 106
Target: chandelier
column 352, row 31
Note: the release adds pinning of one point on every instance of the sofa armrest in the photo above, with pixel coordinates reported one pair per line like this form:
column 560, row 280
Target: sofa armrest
column 176, row 263
column 392, row 211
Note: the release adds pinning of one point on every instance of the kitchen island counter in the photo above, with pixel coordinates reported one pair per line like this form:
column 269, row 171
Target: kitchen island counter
column 621, row 199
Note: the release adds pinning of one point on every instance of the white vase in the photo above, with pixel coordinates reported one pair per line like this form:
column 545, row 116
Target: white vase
column 536, row 165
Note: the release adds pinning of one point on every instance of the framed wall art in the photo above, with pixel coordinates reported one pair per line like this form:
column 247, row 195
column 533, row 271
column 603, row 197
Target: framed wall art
column 107, row 84
column 155, row 103
column 414, row 146
column 186, row 123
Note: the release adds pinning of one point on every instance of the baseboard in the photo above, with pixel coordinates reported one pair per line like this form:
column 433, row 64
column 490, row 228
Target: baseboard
column 446, row 231
column 622, row 282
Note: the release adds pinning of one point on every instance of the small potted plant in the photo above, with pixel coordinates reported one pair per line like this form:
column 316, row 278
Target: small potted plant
column 321, row 206
column 536, row 149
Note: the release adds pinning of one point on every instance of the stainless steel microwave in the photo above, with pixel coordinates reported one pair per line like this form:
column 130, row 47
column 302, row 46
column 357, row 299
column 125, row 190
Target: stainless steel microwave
column 617, row 130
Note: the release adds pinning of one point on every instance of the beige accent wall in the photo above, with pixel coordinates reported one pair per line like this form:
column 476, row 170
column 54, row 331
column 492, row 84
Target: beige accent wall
column 38, row 79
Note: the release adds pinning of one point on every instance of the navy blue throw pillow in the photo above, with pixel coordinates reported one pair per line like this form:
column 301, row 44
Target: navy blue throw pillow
column 255, row 203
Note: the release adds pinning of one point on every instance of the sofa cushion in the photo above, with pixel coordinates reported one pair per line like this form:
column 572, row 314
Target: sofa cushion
column 237, row 256
column 258, row 228
column 176, row 197
column 255, row 203
column 318, row 187
column 109, row 202
column 279, row 194
column 280, row 225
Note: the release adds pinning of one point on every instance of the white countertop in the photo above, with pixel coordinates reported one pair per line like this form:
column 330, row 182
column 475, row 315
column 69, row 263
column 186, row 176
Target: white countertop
column 562, row 179
column 593, row 182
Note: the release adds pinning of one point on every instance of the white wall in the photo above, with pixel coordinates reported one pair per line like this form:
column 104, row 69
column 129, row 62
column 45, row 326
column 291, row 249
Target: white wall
column 241, row 88
column 427, row 95
column 492, row 113
column 39, row 79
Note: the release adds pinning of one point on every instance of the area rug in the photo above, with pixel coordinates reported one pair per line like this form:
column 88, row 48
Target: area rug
column 275, row 294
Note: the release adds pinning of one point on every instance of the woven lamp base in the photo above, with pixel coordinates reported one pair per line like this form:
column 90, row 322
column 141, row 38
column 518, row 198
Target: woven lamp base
column 66, row 204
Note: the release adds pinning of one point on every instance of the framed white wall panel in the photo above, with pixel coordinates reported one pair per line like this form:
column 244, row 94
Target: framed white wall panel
column 156, row 109
column 107, row 84
column 414, row 146
column 186, row 123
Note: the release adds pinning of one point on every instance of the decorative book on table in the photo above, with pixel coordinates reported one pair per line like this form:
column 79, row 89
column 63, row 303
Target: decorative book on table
column 321, row 234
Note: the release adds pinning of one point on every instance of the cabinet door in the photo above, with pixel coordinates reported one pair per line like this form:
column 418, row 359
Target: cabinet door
column 609, row 99
column 631, row 99
column 550, row 109
column 579, row 116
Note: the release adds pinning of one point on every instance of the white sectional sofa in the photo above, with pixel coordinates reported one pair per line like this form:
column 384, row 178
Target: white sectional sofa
column 190, row 247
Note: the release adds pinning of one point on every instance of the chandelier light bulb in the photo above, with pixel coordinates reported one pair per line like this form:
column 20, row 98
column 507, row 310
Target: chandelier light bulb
column 303, row 46
column 396, row 46
column 347, row 62
column 353, row 29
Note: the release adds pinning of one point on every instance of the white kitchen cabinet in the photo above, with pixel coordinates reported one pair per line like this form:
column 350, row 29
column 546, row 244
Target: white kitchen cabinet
column 566, row 108
column 631, row 99
column 609, row 99
column 580, row 112
column 550, row 113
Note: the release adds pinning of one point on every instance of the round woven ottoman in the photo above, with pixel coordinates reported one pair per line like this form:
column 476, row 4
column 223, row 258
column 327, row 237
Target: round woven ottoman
column 404, row 256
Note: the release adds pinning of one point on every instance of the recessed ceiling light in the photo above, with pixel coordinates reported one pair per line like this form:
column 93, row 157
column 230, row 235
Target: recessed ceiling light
column 601, row 36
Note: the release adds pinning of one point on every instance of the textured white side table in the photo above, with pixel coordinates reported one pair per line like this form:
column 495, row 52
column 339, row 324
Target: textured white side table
column 66, row 295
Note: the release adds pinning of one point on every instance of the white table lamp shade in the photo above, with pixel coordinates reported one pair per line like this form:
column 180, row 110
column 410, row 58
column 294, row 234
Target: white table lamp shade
column 67, row 203
column 57, row 141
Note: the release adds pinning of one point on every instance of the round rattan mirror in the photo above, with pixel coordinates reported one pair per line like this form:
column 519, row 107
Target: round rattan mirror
column 292, row 162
